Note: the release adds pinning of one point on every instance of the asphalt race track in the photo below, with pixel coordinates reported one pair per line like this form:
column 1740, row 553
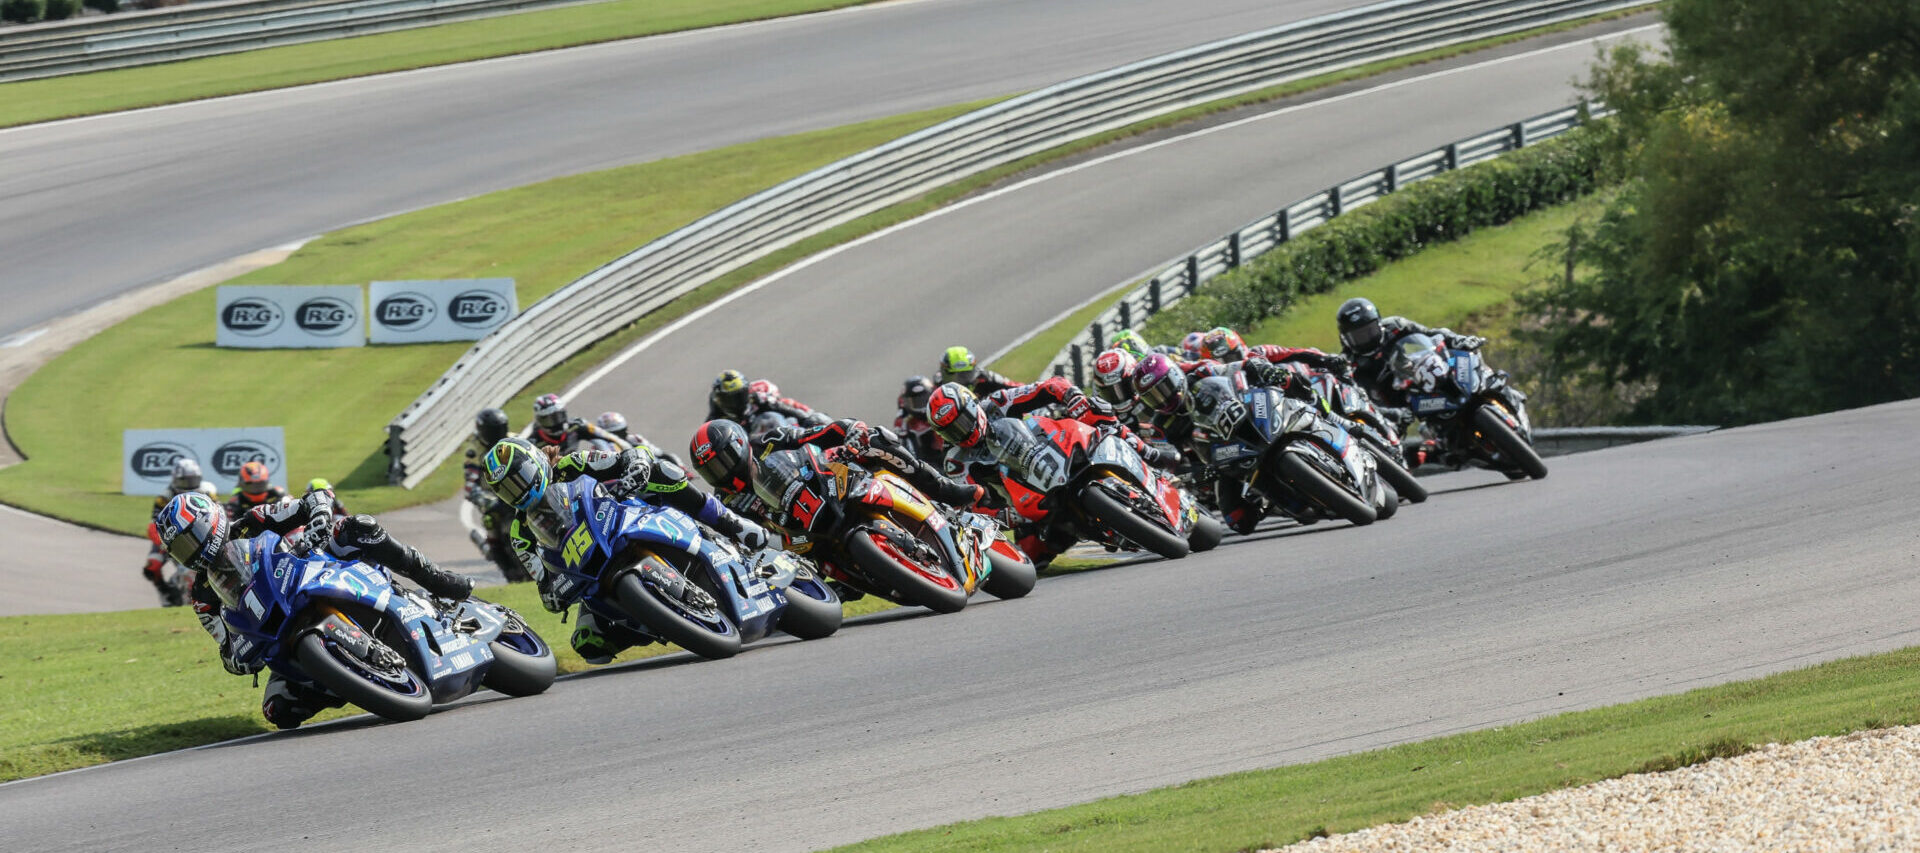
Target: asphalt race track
column 1629, row 572
column 95, row 207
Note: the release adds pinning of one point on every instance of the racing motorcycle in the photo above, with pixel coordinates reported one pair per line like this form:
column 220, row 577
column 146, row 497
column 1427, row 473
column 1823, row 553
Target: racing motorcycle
column 1305, row 466
column 1052, row 468
column 344, row 627
column 1479, row 417
column 658, row 573
column 872, row 530
column 1375, row 432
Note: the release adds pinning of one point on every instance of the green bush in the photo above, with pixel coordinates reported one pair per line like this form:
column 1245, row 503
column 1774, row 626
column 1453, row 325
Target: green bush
column 107, row 6
column 60, row 10
column 22, row 11
column 1358, row 243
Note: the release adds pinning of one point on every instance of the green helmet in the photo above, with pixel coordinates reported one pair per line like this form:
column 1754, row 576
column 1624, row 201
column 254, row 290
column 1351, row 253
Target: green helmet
column 1130, row 342
column 516, row 473
column 958, row 365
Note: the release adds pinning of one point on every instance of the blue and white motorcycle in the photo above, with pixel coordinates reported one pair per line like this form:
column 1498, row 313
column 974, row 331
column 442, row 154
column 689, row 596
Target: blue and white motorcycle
column 656, row 572
column 1300, row 464
column 1478, row 416
column 343, row 626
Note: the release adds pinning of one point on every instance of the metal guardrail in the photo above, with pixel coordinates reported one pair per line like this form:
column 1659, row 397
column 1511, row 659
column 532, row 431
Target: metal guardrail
column 1181, row 278
column 121, row 40
column 651, row 276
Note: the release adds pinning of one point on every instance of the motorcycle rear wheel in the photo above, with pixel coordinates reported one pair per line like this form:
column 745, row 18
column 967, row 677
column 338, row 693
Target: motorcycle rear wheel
column 1308, row 481
column 1512, row 447
column 887, row 567
column 810, row 618
column 523, row 663
column 1390, row 503
column 644, row 605
column 1010, row 578
column 400, row 703
column 1119, row 518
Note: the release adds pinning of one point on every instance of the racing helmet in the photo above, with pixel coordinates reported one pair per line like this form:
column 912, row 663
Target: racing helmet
column 1223, row 345
column 1160, row 384
column 1190, row 346
column 186, row 475
column 490, row 425
column 914, row 395
column 763, row 388
column 549, row 414
column 956, row 415
column 720, row 452
column 1113, row 377
column 730, row 394
column 1131, row 343
column 1216, row 405
column 255, row 479
column 959, row 365
column 194, row 529
column 612, row 422
column 1359, row 325
column 516, row 472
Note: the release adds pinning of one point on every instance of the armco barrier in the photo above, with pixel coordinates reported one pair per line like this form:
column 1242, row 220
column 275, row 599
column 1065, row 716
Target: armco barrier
column 126, row 39
column 1180, row 279
column 649, row 277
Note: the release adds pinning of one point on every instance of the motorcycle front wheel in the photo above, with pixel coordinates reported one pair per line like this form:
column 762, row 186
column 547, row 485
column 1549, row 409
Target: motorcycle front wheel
column 399, row 696
column 1010, row 578
column 1396, row 474
column 523, row 663
column 711, row 636
column 1308, row 481
column 812, row 612
column 888, row 566
column 1119, row 518
column 1514, row 449
column 1206, row 535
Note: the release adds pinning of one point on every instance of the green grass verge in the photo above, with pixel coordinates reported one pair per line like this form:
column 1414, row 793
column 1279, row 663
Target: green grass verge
column 31, row 101
column 337, row 402
column 90, row 688
column 1468, row 284
column 1271, row 808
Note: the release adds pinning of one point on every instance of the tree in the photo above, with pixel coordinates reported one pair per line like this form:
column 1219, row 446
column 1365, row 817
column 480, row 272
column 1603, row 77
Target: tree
column 1760, row 261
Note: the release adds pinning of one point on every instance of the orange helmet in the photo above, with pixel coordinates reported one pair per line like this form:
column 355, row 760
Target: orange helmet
column 254, row 478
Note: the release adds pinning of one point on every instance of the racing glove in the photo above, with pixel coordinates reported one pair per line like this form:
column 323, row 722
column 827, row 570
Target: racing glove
column 751, row 536
column 1471, row 342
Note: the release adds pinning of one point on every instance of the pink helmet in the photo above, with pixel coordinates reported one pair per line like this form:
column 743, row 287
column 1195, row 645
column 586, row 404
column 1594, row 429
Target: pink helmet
column 1159, row 383
column 1190, row 346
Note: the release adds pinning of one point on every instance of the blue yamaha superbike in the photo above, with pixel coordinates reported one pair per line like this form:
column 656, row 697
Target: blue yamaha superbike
column 1303, row 465
column 344, row 627
column 657, row 573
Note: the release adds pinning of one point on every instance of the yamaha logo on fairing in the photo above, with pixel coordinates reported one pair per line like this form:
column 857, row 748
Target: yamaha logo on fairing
column 251, row 316
column 477, row 309
column 325, row 315
column 154, row 461
column 403, row 311
column 228, row 459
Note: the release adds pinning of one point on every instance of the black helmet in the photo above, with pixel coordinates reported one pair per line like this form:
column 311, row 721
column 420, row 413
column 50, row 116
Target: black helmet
column 1216, row 405
column 491, row 426
column 730, row 393
column 1359, row 325
column 721, row 454
column 913, row 397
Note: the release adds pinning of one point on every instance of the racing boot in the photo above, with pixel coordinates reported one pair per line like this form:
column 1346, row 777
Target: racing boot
column 361, row 535
column 287, row 704
column 597, row 643
column 953, row 493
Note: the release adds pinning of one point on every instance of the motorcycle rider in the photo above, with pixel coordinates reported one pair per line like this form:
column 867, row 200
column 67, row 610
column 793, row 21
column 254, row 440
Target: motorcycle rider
column 256, row 489
column 553, row 427
column 489, row 426
column 201, row 536
column 911, row 420
column 963, row 422
column 733, row 398
column 185, row 477
column 1113, row 382
column 957, row 364
column 1369, row 340
column 1225, row 346
column 539, row 484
